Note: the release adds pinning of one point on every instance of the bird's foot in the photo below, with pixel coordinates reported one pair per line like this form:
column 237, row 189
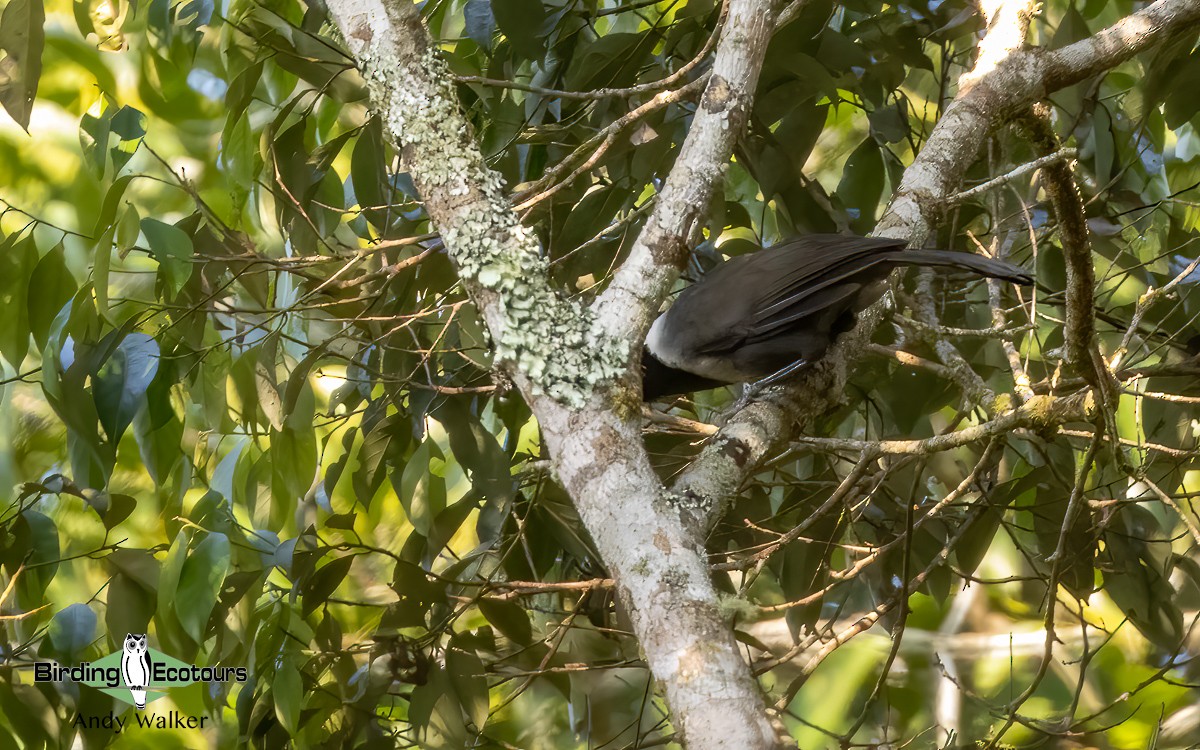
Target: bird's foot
column 751, row 390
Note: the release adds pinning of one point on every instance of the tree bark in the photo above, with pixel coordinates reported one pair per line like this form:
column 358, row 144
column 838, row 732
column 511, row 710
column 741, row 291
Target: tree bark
column 574, row 364
column 1006, row 80
column 566, row 359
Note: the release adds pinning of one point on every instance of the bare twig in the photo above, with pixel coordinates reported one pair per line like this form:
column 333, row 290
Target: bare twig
column 1040, row 411
column 597, row 146
column 1063, row 154
column 610, row 93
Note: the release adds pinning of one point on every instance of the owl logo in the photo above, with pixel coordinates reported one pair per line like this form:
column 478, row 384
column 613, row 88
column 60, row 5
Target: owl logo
column 136, row 667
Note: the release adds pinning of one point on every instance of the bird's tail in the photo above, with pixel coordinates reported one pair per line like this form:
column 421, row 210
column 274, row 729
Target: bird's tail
column 997, row 269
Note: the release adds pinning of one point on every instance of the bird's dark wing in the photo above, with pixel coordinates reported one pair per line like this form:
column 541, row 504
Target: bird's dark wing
column 760, row 312
column 799, row 278
column 805, row 304
column 801, row 262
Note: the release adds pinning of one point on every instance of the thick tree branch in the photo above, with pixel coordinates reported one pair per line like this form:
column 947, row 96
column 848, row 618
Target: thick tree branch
column 639, row 286
column 545, row 340
column 560, row 360
column 1114, row 45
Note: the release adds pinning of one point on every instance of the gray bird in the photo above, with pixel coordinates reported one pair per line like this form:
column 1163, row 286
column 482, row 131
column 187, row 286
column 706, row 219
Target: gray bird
column 773, row 312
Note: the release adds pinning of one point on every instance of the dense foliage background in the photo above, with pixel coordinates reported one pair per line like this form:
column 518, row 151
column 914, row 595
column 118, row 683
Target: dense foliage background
column 248, row 408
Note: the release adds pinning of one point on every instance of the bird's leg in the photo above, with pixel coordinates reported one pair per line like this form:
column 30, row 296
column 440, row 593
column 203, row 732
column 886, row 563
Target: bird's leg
column 780, row 374
column 753, row 389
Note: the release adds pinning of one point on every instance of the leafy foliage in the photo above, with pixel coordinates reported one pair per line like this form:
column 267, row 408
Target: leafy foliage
column 248, row 408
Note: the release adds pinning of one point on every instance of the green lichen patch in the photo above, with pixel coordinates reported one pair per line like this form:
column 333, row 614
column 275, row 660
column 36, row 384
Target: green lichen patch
column 554, row 342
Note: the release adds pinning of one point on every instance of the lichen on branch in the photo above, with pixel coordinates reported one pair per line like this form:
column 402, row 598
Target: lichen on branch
column 537, row 333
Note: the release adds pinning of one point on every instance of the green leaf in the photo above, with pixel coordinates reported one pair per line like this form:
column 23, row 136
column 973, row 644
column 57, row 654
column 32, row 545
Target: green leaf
column 129, row 607
column 94, row 135
column 611, row 60
column 119, row 388
column 101, row 265
column 591, row 215
column 297, row 380
column 509, row 618
column 55, row 287
column 111, row 204
column 29, row 713
column 341, row 521
column 862, row 185
column 890, row 124
column 976, row 539
column 43, row 557
column 1181, row 102
column 293, row 463
column 158, row 430
column 368, row 173
column 477, row 451
column 18, row 259
column 287, row 690
column 802, row 568
column 241, row 90
column 428, row 698
column 468, row 678
column 66, row 367
column 1049, row 517
column 200, row 584
column 71, row 632
column 384, row 440
column 418, row 594
column 138, row 566
column 840, row 54
column 169, row 575
column 321, row 585
column 813, row 78
column 119, row 508
column 128, row 123
column 264, row 383
column 422, row 493
column 172, row 248
column 521, row 21
column 1137, row 569
column 129, row 228
column 239, row 155
column 21, row 39
column 1072, row 27
column 480, row 23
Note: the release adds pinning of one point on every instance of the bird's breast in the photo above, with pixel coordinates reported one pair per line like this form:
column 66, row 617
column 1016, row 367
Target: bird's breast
column 673, row 349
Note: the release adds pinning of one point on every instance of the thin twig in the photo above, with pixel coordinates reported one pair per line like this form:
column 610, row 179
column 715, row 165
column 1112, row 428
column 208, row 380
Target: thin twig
column 1063, row 154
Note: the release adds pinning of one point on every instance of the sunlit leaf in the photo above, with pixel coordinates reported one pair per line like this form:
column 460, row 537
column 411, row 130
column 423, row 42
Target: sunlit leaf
column 21, row 42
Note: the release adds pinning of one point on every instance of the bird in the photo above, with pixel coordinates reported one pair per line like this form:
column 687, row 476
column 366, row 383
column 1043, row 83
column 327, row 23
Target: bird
column 776, row 311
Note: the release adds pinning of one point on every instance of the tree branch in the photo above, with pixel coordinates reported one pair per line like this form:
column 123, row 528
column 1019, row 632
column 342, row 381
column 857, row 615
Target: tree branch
column 565, row 365
column 1059, row 184
column 1005, row 81
column 1041, row 412
column 1062, row 154
column 639, row 286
